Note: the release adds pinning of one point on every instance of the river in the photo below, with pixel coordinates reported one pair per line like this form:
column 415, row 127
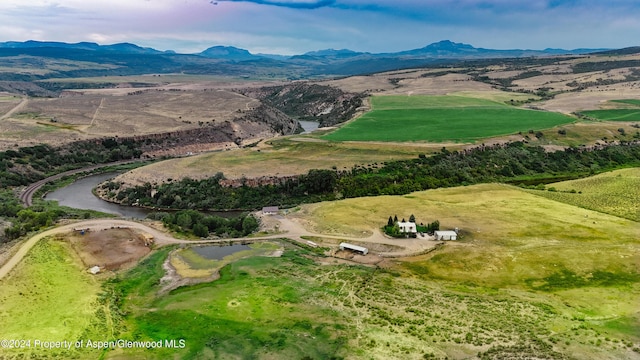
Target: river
column 308, row 126
column 78, row 195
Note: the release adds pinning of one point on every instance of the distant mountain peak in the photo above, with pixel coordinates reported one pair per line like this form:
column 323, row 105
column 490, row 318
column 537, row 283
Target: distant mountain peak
column 448, row 45
column 228, row 52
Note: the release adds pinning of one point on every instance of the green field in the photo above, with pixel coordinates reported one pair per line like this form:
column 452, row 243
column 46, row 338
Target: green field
column 616, row 192
column 442, row 119
column 614, row 114
column 50, row 297
column 628, row 110
column 633, row 102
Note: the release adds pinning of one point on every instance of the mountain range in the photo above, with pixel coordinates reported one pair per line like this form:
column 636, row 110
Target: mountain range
column 131, row 59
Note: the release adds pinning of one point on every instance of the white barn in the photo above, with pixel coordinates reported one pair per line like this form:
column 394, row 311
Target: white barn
column 446, row 235
column 347, row 246
column 407, row 227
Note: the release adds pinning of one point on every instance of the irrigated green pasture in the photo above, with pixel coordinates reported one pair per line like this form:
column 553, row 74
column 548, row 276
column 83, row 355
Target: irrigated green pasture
column 616, row 192
column 614, row 114
column 625, row 110
column 442, row 119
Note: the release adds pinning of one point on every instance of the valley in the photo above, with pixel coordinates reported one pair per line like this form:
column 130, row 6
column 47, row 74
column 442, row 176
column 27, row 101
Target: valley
column 533, row 162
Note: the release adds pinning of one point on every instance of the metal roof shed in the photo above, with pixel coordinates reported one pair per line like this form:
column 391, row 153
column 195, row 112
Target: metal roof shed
column 446, row 235
column 352, row 247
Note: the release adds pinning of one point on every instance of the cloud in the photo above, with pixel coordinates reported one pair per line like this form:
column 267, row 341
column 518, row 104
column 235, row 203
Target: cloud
column 293, row 4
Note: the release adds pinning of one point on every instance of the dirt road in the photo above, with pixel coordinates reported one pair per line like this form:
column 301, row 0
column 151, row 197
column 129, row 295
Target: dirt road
column 17, row 108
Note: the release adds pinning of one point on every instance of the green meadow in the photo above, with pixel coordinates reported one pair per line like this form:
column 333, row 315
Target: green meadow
column 442, row 119
column 49, row 296
column 615, row 192
column 627, row 110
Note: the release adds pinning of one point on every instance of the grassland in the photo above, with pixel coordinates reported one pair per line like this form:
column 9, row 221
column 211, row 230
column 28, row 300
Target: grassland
column 279, row 157
column 565, row 285
column 50, row 297
column 614, row 193
column 442, row 119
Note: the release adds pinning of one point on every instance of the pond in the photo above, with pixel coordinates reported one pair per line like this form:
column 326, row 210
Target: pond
column 219, row 252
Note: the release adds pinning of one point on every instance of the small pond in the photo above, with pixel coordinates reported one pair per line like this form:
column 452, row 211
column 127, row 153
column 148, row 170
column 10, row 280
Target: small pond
column 219, row 252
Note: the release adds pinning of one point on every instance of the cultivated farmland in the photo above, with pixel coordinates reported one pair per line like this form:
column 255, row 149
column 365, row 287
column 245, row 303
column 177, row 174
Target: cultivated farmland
column 619, row 110
column 442, row 119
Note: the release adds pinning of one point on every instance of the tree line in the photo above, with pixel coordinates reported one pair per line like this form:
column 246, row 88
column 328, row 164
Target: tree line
column 202, row 225
column 513, row 163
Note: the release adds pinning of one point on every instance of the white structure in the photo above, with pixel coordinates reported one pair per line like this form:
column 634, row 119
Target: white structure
column 347, row 246
column 446, row 235
column 407, row 227
column 94, row 270
column 270, row 210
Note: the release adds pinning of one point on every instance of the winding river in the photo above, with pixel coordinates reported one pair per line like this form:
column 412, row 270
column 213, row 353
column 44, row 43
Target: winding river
column 78, row 195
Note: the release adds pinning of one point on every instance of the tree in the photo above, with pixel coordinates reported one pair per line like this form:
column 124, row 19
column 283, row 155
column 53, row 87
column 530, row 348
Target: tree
column 184, row 221
column 395, row 219
column 412, row 219
column 200, row 230
column 390, row 222
column 249, row 225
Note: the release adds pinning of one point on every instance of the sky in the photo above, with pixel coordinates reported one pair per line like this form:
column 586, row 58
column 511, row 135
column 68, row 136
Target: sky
column 290, row 27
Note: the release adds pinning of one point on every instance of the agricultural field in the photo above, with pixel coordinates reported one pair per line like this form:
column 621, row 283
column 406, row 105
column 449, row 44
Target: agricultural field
column 442, row 119
column 614, row 193
column 619, row 110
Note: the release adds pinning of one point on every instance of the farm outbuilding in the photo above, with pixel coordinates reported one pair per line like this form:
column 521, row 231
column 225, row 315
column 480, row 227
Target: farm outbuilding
column 407, row 227
column 446, row 235
column 270, row 210
column 347, row 246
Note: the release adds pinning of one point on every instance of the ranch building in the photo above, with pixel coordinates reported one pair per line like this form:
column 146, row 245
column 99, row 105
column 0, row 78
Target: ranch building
column 446, row 235
column 407, row 227
column 270, row 210
column 356, row 248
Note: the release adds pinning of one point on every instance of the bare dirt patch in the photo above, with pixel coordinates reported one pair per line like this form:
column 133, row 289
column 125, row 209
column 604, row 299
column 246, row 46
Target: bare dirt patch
column 110, row 249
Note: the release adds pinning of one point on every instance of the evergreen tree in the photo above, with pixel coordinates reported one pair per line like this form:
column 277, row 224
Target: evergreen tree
column 390, row 222
column 412, row 219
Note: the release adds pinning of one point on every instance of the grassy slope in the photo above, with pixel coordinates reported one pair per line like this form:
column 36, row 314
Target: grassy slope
column 562, row 284
column 614, row 192
column 50, row 297
column 442, row 118
column 284, row 157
